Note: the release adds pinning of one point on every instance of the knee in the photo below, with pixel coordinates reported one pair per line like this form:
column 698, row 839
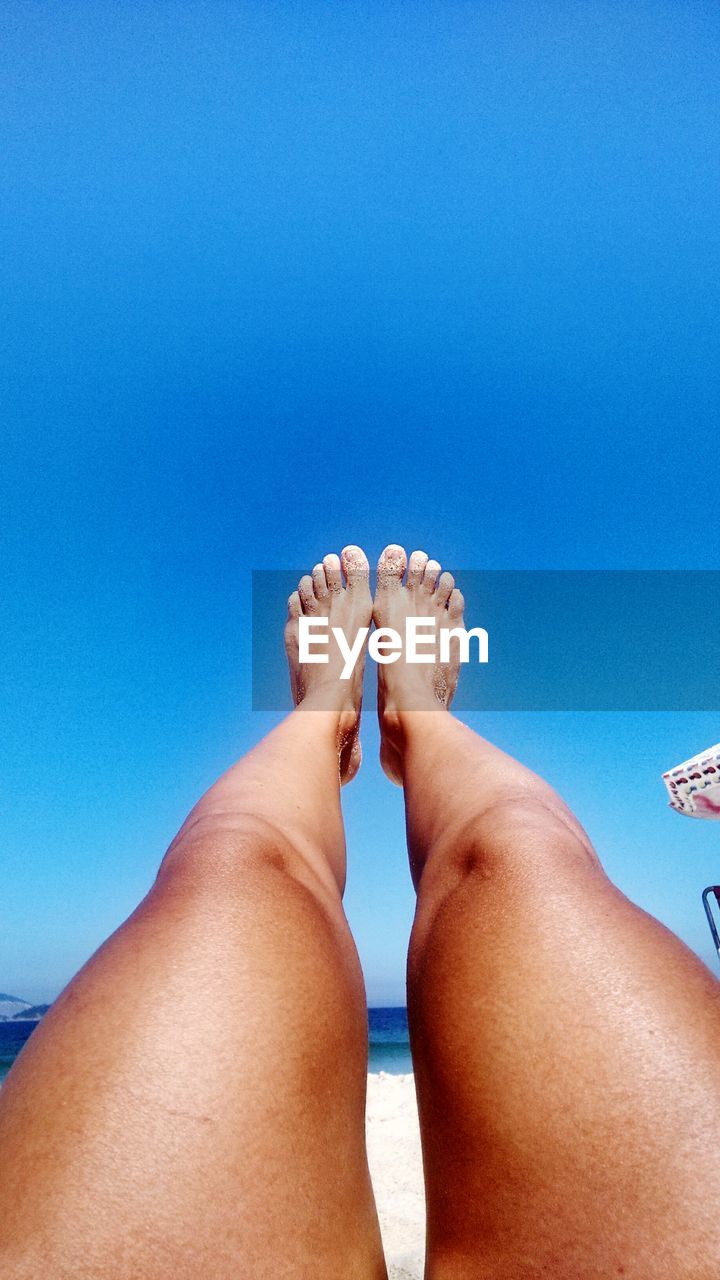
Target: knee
column 519, row 839
column 529, row 830
column 216, row 853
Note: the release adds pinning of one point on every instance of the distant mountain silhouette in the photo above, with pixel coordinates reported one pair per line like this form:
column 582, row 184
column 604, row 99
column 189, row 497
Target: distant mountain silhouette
column 13, row 1009
column 33, row 1014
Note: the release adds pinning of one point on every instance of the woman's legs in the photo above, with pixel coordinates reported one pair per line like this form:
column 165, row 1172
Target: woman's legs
column 566, row 1045
column 193, row 1104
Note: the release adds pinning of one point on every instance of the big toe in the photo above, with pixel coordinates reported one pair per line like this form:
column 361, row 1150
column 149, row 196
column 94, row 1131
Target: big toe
column 391, row 567
column 355, row 566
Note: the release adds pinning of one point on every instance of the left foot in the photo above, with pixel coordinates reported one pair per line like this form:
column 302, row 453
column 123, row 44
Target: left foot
column 349, row 607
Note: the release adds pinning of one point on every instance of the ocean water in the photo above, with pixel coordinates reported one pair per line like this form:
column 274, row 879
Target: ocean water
column 12, row 1038
column 389, row 1041
column 388, row 1030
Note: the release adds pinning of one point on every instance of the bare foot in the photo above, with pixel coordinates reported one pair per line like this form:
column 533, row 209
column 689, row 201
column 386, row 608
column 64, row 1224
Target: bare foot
column 404, row 686
column 349, row 607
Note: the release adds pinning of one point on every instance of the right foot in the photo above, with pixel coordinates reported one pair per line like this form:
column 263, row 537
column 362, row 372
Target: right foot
column 403, row 686
column 320, row 685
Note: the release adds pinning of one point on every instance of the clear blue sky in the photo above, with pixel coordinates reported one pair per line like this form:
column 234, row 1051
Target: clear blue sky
column 280, row 276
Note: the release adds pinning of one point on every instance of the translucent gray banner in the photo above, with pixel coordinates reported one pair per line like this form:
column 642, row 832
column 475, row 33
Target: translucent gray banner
column 600, row 640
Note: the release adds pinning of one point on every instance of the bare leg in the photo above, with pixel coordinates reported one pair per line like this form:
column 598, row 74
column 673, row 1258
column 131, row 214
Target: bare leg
column 193, row 1104
column 566, row 1045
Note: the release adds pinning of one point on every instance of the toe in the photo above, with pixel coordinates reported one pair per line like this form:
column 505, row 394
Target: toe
column 444, row 588
column 430, row 577
column 294, row 606
column 355, row 566
column 319, row 582
column 416, row 568
column 456, row 605
column 332, row 572
column 391, row 567
column 306, row 592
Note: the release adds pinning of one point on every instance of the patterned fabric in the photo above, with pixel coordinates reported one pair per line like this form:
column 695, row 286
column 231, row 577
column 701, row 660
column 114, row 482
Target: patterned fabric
column 694, row 787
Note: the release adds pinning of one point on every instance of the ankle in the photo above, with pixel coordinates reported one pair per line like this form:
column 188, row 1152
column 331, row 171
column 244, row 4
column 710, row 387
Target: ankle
column 332, row 701
column 401, row 719
column 336, row 719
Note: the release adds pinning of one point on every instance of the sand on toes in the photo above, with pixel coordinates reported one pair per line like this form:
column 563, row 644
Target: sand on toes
column 338, row 589
column 427, row 592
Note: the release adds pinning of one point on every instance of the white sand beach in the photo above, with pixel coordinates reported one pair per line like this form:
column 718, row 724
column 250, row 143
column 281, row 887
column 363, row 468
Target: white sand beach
column 393, row 1140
